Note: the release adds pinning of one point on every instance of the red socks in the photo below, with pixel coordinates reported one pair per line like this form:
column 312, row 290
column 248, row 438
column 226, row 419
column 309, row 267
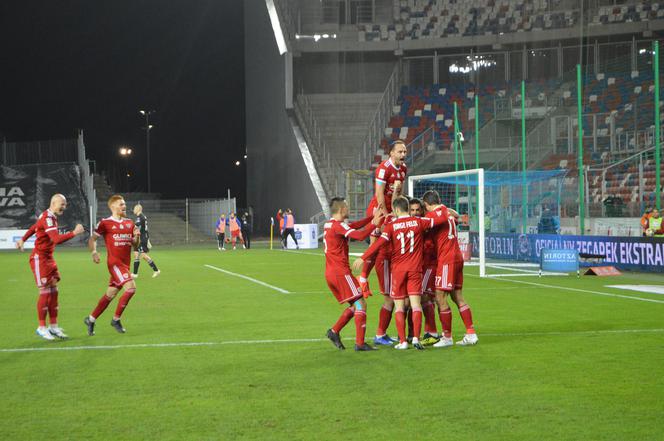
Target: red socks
column 467, row 318
column 343, row 320
column 360, row 327
column 42, row 305
column 122, row 303
column 400, row 319
column 416, row 329
column 429, row 311
column 384, row 319
column 101, row 306
column 53, row 306
column 445, row 316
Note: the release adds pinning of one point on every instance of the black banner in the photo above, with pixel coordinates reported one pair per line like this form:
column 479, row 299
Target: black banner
column 26, row 190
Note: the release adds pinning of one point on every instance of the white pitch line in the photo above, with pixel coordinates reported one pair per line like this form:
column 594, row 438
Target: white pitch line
column 267, row 285
column 311, row 340
column 303, row 252
column 600, row 293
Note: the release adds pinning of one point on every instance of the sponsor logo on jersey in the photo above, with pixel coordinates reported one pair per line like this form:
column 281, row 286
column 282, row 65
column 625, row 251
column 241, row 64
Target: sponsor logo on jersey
column 49, row 222
column 44, row 279
column 381, row 173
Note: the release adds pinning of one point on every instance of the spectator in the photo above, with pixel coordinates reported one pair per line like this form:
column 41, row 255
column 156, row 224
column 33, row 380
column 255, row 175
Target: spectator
column 289, row 228
column 246, row 229
column 487, row 222
column 644, row 220
column 655, row 223
column 220, row 229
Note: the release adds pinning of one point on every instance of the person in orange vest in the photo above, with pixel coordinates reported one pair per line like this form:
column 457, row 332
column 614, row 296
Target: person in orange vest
column 645, row 220
column 235, row 227
column 465, row 222
column 289, row 228
column 221, row 232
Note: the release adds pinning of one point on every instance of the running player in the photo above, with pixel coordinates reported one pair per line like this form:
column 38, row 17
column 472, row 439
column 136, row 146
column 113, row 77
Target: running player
column 144, row 245
column 235, row 228
column 120, row 234
column 338, row 275
column 406, row 235
column 43, row 264
column 449, row 272
column 389, row 179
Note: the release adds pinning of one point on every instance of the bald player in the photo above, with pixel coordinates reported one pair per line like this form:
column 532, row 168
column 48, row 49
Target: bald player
column 43, row 266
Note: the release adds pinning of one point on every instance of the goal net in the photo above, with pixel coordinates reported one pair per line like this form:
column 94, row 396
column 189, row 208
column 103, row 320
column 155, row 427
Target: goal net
column 497, row 212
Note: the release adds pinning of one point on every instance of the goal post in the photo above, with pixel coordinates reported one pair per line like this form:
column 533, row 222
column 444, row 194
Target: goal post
column 464, row 189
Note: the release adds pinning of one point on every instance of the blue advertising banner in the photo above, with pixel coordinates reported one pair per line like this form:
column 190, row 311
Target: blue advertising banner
column 631, row 253
column 560, row 261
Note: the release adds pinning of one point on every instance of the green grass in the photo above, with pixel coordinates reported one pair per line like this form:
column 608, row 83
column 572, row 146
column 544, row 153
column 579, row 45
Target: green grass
column 546, row 367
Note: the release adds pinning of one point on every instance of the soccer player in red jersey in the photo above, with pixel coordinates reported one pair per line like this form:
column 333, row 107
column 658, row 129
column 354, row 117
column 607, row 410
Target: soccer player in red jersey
column 406, row 235
column 449, row 273
column 429, row 259
column 120, row 235
column 389, row 176
column 383, row 271
column 339, row 277
column 43, row 264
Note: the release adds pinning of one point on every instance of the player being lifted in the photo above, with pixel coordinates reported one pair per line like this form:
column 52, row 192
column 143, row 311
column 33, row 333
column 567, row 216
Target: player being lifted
column 389, row 179
column 338, row 275
column 43, row 264
column 120, row 234
column 449, row 272
column 144, row 245
column 406, row 233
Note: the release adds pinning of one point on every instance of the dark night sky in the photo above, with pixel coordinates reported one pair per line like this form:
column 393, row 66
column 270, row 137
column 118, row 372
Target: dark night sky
column 93, row 64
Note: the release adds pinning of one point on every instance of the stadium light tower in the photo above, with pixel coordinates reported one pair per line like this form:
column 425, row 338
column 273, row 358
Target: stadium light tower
column 148, row 127
column 126, row 152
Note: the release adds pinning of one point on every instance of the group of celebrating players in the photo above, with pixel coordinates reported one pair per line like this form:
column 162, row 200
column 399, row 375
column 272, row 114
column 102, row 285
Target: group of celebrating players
column 419, row 264
column 120, row 236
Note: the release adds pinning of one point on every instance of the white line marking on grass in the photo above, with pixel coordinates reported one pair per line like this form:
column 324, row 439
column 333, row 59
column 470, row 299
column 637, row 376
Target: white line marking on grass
column 525, row 275
column 308, row 340
column 599, row 293
column 303, row 252
column 267, row 285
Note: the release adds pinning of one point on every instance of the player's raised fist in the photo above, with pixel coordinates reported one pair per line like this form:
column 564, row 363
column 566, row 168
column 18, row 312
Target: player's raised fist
column 78, row 229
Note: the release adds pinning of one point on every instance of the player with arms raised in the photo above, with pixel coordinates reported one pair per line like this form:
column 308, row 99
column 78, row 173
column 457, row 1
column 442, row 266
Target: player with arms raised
column 43, row 264
column 338, row 275
column 389, row 175
column 449, row 272
column 120, row 235
column 406, row 234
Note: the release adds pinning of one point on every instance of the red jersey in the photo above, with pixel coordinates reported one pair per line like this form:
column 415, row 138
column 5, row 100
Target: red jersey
column 405, row 234
column 387, row 174
column 119, row 236
column 46, row 229
column 430, row 255
column 445, row 237
column 335, row 242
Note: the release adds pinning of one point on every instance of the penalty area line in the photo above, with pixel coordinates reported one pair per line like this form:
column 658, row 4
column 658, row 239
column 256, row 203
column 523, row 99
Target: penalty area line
column 241, row 276
column 315, row 340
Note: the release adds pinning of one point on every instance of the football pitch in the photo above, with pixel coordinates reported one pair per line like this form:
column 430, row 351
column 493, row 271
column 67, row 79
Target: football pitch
column 210, row 353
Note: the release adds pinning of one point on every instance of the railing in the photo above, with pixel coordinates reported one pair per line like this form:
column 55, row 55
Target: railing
column 380, row 119
column 87, row 179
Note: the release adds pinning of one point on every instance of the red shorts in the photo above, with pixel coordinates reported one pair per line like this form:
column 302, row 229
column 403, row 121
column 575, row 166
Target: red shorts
column 45, row 270
column 428, row 280
column 345, row 288
column 383, row 272
column 406, row 283
column 235, row 233
column 449, row 276
column 120, row 275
